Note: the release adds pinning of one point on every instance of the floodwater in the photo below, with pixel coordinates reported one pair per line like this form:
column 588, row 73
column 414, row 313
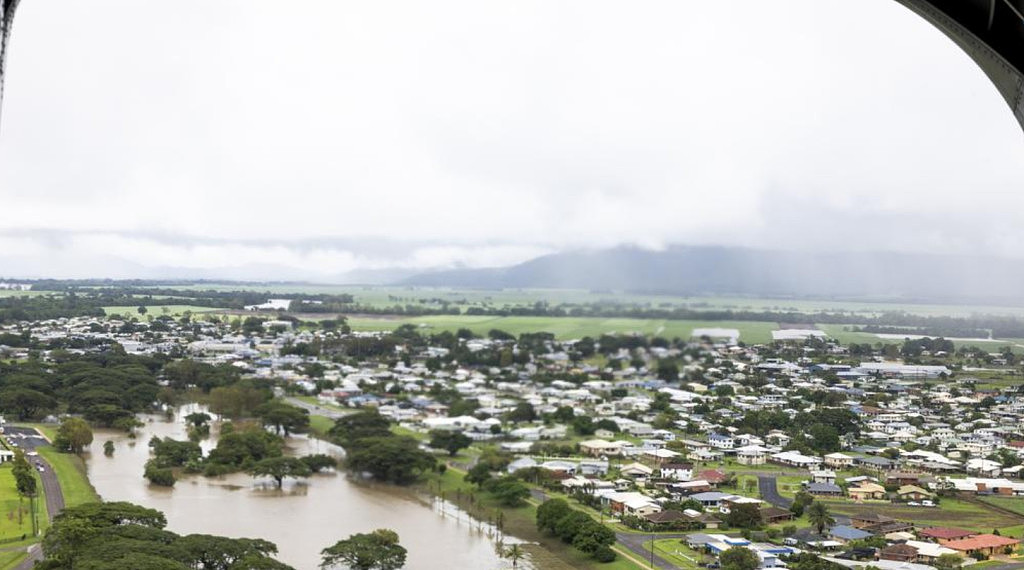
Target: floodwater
column 302, row 518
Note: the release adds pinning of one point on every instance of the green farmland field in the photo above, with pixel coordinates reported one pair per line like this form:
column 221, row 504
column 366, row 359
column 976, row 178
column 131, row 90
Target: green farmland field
column 157, row 310
column 566, row 327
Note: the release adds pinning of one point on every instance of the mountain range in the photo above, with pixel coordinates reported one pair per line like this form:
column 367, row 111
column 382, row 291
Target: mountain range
column 714, row 270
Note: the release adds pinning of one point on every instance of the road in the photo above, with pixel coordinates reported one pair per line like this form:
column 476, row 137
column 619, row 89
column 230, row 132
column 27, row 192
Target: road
column 313, row 409
column 29, row 439
column 635, row 543
column 770, row 492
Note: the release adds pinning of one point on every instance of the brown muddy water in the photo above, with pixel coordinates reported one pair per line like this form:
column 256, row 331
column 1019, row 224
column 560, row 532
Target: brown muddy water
column 303, row 517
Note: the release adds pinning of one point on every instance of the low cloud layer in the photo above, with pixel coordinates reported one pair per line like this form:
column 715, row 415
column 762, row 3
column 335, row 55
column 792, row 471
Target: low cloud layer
column 331, row 137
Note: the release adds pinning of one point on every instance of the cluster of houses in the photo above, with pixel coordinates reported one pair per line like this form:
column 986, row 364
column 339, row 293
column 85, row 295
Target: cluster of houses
column 920, row 434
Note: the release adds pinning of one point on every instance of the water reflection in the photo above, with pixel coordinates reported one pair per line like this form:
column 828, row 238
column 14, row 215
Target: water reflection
column 302, row 518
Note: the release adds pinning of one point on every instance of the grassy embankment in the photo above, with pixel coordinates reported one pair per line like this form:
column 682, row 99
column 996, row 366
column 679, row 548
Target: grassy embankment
column 70, row 469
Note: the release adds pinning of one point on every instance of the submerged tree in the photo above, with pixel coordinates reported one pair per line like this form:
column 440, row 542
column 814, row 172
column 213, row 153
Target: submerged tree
column 280, row 467
column 378, row 550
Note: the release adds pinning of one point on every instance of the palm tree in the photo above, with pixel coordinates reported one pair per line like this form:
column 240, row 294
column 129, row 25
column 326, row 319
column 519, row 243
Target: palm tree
column 515, row 553
column 818, row 515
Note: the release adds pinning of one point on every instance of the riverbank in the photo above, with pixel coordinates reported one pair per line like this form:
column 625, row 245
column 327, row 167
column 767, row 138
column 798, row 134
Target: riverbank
column 521, row 522
column 70, row 470
column 545, row 551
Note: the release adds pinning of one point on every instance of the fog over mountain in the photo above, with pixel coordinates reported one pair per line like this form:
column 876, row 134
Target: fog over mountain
column 743, row 271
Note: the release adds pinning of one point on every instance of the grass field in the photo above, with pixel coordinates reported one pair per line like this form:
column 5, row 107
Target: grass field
column 676, row 552
column 9, row 293
column 951, row 512
column 1015, row 504
column 15, row 520
column 567, row 327
column 157, row 310
column 381, row 296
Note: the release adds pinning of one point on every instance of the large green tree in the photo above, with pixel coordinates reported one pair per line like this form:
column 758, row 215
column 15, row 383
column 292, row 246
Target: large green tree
column 394, row 459
column 368, row 423
column 283, row 417
column 123, row 536
column 73, row 436
column 378, row 550
column 450, row 441
column 280, row 467
column 739, row 558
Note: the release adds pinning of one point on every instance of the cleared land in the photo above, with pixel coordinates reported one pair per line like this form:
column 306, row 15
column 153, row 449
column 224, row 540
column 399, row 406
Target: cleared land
column 157, row 310
column 951, row 512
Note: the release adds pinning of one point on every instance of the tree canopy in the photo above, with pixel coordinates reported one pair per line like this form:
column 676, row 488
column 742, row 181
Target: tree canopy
column 378, row 550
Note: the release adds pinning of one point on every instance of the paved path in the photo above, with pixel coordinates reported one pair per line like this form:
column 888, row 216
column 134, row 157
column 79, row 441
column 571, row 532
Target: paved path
column 770, row 492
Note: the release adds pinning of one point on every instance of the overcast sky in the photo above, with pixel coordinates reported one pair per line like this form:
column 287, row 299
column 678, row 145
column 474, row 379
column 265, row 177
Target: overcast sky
column 308, row 139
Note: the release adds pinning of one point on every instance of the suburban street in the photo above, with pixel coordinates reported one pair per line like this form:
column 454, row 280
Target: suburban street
column 635, row 543
column 316, row 410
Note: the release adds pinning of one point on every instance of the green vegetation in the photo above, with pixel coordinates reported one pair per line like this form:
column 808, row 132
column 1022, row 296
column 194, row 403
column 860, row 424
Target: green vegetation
column 125, row 536
column 11, row 558
column 556, row 517
column 15, row 516
column 566, row 327
column 378, row 550
column 71, row 474
column 175, row 311
column 277, row 468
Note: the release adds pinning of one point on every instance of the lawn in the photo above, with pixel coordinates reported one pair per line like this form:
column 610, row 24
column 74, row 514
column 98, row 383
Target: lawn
column 676, row 552
column 11, row 558
column 1015, row 504
column 15, row 520
column 566, row 327
column 320, row 425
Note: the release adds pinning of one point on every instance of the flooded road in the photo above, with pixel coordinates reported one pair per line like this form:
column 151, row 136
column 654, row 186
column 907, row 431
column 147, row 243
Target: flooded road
column 302, row 518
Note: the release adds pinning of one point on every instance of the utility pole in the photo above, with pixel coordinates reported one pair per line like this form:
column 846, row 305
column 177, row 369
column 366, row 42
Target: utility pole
column 7, row 8
column 652, row 550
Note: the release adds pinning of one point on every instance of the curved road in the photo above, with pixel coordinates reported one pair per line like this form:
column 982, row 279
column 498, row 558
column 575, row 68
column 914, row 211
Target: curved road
column 29, row 439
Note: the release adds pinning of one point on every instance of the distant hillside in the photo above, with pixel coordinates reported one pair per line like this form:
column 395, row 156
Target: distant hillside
column 740, row 271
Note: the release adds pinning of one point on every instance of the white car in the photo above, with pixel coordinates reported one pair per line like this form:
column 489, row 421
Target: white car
column 913, row 504
column 927, row 503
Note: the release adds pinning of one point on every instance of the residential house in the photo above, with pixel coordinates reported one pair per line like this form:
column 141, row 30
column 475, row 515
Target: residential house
column 899, row 553
column 867, row 491
column 984, row 544
column 942, row 534
column 838, row 460
column 913, row 493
